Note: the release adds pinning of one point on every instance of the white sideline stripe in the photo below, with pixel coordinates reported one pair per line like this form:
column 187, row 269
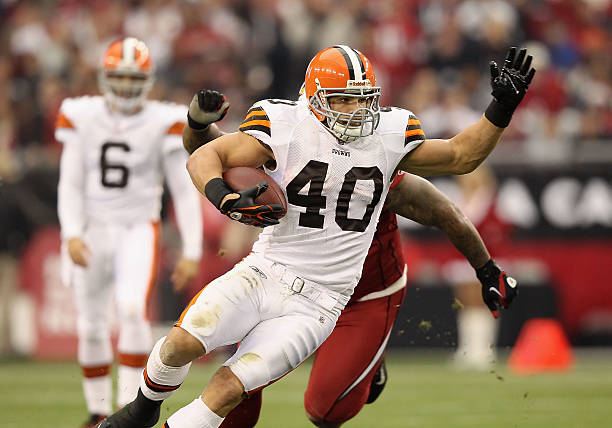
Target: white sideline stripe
column 368, row 368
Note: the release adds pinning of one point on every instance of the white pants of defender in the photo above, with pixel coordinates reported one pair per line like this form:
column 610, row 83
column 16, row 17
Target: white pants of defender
column 278, row 327
column 122, row 265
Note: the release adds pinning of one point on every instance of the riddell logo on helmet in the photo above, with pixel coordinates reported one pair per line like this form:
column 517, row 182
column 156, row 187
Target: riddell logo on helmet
column 358, row 83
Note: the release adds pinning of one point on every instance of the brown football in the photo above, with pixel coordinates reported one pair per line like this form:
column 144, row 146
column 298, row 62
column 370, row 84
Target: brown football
column 243, row 177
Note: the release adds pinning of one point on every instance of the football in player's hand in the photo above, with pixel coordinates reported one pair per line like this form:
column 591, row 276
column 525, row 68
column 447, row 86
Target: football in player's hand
column 243, row 177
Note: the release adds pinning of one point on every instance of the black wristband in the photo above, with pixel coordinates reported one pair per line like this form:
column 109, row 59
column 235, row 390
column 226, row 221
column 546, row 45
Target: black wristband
column 196, row 125
column 217, row 189
column 488, row 271
column 497, row 115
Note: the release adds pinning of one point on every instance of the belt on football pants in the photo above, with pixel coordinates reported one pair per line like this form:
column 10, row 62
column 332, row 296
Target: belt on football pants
column 329, row 299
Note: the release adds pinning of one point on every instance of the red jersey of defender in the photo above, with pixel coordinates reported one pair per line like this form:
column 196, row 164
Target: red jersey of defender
column 385, row 262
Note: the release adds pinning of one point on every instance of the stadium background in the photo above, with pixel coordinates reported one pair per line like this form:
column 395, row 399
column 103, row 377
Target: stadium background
column 553, row 167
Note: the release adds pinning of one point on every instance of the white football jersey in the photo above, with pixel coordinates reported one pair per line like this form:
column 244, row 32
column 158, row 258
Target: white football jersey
column 122, row 154
column 334, row 191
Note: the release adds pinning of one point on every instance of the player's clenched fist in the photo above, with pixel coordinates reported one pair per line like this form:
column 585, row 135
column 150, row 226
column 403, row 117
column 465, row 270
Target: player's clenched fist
column 206, row 107
column 509, row 85
column 498, row 289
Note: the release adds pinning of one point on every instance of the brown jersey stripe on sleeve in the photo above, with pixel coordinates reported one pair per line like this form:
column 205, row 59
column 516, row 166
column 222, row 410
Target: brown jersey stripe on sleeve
column 264, row 129
column 413, row 130
column 256, row 111
column 63, row 122
column 256, row 125
column 256, row 120
column 176, row 128
column 415, row 137
column 261, row 117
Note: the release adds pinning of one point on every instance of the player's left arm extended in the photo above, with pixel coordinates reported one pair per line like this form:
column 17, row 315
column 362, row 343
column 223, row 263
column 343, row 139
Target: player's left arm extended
column 417, row 199
column 465, row 151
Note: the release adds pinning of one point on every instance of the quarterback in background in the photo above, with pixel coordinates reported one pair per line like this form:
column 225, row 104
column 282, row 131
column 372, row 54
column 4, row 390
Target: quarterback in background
column 117, row 150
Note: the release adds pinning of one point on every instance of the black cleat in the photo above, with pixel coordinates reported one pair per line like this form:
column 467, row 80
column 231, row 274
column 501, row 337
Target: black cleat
column 378, row 382
column 140, row 413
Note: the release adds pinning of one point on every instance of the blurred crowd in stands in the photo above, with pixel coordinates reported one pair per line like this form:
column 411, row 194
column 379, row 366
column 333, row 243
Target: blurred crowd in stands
column 430, row 56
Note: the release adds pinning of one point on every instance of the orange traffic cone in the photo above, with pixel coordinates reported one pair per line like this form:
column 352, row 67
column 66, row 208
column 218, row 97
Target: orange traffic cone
column 541, row 346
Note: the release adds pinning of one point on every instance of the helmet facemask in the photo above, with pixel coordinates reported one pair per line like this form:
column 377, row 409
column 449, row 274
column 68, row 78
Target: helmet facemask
column 348, row 127
column 126, row 90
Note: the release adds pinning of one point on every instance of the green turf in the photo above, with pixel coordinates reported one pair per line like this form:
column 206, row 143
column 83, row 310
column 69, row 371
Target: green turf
column 423, row 391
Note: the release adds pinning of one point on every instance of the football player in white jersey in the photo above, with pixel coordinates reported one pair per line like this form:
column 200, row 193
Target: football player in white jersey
column 117, row 150
column 334, row 159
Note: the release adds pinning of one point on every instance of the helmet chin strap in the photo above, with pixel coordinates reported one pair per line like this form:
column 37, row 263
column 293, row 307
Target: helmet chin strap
column 349, row 134
column 340, row 124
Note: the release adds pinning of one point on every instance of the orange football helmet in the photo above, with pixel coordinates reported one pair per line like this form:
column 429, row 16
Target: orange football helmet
column 126, row 74
column 342, row 70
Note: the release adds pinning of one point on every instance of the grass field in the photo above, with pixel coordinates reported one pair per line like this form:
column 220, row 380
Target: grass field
column 423, row 391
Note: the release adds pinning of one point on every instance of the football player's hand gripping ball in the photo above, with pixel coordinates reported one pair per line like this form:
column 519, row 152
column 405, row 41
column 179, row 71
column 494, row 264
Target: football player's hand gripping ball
column 206, row 107
column 509, row 85
column 498, row 289
column 241, row 206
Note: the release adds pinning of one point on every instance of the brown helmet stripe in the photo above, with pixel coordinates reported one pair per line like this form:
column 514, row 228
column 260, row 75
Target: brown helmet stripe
column 347, row 58
column 363, row 70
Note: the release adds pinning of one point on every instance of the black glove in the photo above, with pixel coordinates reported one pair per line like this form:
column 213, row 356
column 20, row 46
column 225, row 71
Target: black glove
column 498, row 289
column 243, row 209
column 206, row 107
column 509, row 86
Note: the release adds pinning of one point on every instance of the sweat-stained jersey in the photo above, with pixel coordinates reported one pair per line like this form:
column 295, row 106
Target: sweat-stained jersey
column 335, row 192
column 123, row 155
